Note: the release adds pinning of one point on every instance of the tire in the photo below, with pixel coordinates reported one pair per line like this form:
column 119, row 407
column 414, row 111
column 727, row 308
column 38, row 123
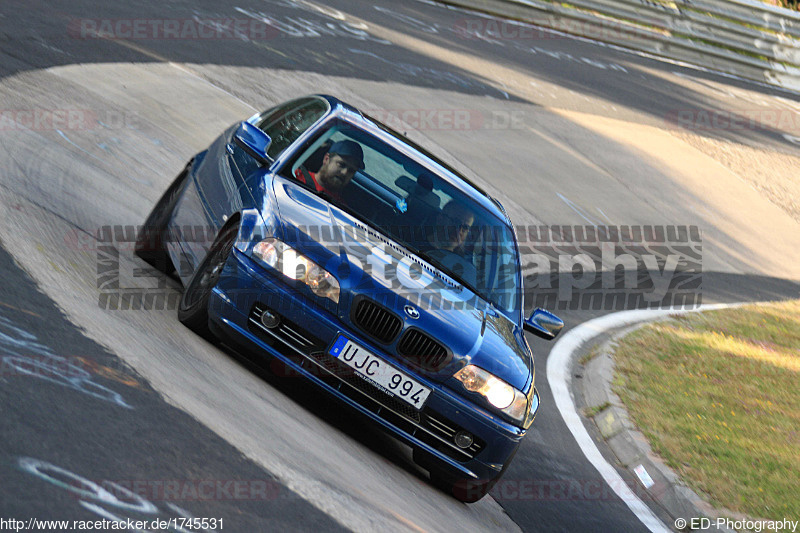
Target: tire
column 193, row 307
column 150, row 239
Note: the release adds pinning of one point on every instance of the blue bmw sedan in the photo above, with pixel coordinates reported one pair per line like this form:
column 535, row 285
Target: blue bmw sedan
column 315, row 235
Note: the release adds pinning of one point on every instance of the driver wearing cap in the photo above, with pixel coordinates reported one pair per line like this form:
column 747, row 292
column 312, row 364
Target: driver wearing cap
column 338, row 167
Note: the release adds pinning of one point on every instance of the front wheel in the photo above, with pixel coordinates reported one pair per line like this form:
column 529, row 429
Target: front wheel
column 193, row 308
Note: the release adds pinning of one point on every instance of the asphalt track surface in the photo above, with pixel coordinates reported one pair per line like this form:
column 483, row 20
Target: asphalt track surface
column 97, row 401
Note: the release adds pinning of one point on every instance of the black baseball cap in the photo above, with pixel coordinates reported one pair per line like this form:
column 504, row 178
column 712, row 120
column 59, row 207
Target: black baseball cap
column 348, row 149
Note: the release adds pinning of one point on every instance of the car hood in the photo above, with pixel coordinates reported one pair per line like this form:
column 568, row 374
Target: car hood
column 370, row 265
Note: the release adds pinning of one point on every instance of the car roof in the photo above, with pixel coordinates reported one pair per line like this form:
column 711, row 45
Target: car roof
column 400, row 142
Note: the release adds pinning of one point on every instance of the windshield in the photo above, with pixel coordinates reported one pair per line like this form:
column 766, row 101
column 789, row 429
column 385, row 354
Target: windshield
column 414, row 207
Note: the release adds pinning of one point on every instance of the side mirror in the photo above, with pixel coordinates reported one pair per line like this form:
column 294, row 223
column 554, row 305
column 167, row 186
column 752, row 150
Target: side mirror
column 253, row 141
column 543, row 324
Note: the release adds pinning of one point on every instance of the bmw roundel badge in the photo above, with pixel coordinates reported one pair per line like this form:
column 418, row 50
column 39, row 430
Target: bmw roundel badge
column 411, row 312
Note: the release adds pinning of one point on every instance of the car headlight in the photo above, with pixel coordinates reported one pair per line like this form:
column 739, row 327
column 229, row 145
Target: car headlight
column 497, row 392
column 294, row 265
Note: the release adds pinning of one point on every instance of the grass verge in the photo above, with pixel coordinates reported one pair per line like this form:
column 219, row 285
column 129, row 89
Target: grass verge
column 718, row 396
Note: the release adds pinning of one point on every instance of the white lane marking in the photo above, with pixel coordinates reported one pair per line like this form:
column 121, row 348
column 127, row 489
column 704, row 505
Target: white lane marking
column 581, row 213
column 605, row 216
column 558, row 366
column 64, row 136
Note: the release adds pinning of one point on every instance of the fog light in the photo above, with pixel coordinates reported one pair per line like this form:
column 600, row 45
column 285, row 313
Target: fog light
column 463, row 439
column 270, row 319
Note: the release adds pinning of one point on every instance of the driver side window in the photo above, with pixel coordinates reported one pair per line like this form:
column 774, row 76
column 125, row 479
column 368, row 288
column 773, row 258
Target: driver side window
column 286, row 123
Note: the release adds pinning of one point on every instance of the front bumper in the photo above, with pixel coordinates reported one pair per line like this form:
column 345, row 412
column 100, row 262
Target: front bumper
column 301, row 342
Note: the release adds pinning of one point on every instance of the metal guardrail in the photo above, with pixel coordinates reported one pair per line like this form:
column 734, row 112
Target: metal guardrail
column 745, row 38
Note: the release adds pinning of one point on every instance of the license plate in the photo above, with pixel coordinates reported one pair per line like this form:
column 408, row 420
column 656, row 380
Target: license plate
column 386, row 377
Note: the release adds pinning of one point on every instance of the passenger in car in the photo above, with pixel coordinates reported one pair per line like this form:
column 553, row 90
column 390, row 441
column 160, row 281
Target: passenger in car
column 446, row 239
column 452, row 227
column 339, row 165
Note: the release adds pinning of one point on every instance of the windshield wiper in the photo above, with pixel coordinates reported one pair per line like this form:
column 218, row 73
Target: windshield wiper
column 447, row 271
